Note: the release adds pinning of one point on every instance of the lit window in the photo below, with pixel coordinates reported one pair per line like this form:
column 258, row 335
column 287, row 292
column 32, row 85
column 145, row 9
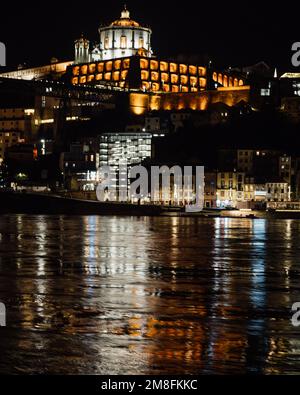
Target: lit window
column 144, row 63
column 173, row 67
column 153, row 65
column 164, row 66
column 154, row 76
column 183, row 69
column 165, row 77
column 265, row 92
column 174, row 78
column 145, row 75
column 107, row 76
column 84, row 69
column 100, row 67
column 141, row 42
column 123, row 42
column 117, row 64
column 106, row 43
column 193, row 70
column 92, row 68
column 116, row 76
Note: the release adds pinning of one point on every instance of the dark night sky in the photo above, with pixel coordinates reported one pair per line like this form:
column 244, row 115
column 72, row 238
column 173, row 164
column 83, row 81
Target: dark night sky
column 231, row 33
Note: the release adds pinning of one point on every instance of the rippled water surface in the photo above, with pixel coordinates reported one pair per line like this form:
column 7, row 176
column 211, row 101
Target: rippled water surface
column 109, row 295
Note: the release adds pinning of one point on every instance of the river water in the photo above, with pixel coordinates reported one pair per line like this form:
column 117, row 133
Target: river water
column 125, row 295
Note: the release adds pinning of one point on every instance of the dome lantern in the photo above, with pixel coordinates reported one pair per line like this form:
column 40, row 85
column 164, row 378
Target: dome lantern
column 125, row 14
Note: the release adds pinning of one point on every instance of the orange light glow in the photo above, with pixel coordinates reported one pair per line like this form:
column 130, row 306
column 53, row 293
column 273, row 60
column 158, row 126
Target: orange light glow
column 84, row 69
column 144, row 64
column 107, row 76
column 202, row 71
column 202, row 82
column 183, row 69
column 166, row 88
column 139, row 103
column 117, row 64
column 155, row 87
column 145, row 85
column 145, row 75
column 184, row 79
column 100, row 67
column 225, row 81
column 116, row 76
column 154, row 76
column 193, row 81
column 165, row 77
column 193, row 70
column 126, row 63
column 124, row 74
column 108, row 66
column 174, row 78
column 173, row 67
column 164, row 66
column 153, row 65
column 76, row 70
column 92, row 68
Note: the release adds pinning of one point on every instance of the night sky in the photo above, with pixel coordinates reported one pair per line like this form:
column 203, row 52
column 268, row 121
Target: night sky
column 230, row 33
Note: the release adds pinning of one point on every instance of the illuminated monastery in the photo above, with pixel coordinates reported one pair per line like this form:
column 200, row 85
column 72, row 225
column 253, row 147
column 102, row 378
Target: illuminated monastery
column 124, row 59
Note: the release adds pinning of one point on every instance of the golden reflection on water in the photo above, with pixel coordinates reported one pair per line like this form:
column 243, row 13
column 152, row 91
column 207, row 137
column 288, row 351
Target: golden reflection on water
column 149, row 295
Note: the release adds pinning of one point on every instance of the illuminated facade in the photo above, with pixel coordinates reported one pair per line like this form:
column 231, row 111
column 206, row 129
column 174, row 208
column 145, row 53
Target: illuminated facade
column 142, row 73
column 15, row 125
column 141, row 103
column 151, row 75
column 122, row 38
column 124, row 59
column 56, row 69
column 120, row 148
column 230, row 189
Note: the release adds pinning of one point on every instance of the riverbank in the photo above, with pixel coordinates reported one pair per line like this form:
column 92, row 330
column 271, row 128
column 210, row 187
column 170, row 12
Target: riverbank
column 50, row 204
column 31, row 203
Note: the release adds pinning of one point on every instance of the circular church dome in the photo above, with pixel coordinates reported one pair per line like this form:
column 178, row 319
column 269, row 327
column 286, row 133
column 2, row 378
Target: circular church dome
column 125, row 20
column 124, row 38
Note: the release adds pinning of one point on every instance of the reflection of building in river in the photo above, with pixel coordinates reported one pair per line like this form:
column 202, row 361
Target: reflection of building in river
column 178, row 294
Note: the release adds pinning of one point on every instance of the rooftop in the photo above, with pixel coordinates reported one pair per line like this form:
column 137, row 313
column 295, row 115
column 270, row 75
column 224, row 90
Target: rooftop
column 125, row 20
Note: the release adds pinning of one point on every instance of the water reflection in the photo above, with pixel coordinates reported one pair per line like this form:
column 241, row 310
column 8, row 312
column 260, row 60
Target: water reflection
column 148, row 295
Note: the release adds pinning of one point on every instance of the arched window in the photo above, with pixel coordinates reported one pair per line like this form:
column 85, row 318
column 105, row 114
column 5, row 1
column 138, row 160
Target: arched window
column 123, row 42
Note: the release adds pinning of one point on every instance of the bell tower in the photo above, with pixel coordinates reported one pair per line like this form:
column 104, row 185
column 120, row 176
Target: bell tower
column 82, row 50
